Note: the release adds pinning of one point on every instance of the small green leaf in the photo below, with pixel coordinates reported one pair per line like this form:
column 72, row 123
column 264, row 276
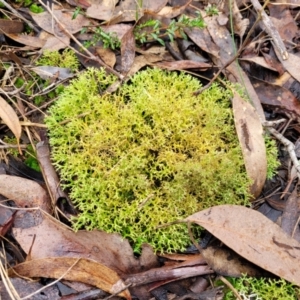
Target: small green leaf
column 161, row 41
column 77, row 11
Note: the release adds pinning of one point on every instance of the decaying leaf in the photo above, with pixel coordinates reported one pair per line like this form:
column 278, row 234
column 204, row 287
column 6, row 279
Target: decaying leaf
column 222, row 38
column 11, row 26
column 275, row 96
column 292, row 65
column 24, row 192
column 53, row 239
column 10, row 118
column 24, row 288
column 250, row 133
column 101, row 10
column 107, row 55
column 290, row 216
column 239, row 24
column 176, row 10
column 75, row 269
column 32, row 41
column 226, row 262
column 127, row 51
column 254, row 237
column 47, row 72
column 182, row 65
column 46, row 22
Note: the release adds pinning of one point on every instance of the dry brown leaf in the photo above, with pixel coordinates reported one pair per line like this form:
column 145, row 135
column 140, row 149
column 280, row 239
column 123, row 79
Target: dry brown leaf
column 6, row 219
column 127, row 51
column 27, row 40
column 54, row 43
column 11, row 26
column 55, row 240
column 292, row 65
column 223, row 40
column 24, row 192
column 24, row 288
column 272, row 61
column 101, row 11
column 254, row 237
column 250, row 134
column 45, row 21
column 259, row 60
column 290, row 215
column 128, row 10
column 182, row 65
column 74, row 269
column 50, row 72
column 176, row 10
column 282, row 18
column 277, row 97
column 239, row 24
column 142, row 61
column 10, row 118
column 203, row 40
column 50, row 176
column 107, row 55
column 226, row 262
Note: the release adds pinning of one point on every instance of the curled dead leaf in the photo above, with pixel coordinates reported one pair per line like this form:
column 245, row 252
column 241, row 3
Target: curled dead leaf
column 74, row 269
column 24, row 192
column 10, row 118
column 250, row 134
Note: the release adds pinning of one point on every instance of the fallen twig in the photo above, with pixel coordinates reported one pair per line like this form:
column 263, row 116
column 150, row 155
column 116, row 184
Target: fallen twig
column 288, row 144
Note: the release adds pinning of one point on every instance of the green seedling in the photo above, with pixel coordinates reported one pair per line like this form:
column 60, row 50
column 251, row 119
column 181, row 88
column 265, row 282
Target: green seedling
column 149, row 31
column 109, row 39
column 152, row 30
column 211, row 10
column 30, row 159
column 77, row 12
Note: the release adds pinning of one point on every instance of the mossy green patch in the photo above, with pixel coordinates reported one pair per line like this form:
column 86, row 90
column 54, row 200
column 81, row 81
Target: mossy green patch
column 66, row 59
column 147, row 155
column 263, row 289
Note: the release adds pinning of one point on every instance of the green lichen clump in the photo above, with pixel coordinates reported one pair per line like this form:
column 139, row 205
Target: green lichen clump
column 147, row 155
column 263, row 289
column 272, row 156
column 66, row 59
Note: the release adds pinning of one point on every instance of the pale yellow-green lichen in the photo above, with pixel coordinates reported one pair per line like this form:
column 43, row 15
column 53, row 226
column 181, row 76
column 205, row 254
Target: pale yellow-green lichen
column 251, row 288
column 272, row 156
column 150, row 154
column 66, row 59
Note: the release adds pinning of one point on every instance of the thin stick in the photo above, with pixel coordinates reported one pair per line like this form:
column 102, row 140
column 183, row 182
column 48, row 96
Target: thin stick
column 225, row 281
column 290, row 147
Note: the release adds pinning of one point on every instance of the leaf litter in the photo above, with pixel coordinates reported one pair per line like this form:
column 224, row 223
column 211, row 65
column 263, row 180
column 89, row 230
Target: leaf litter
column 106, row 260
